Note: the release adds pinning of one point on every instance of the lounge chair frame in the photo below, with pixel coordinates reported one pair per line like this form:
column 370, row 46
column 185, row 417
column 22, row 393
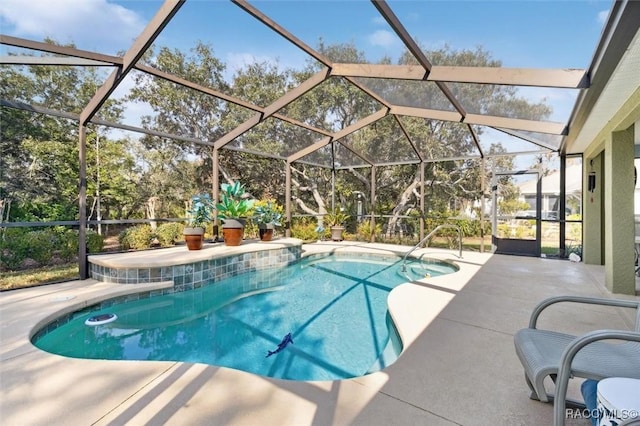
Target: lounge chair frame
column 563, row 356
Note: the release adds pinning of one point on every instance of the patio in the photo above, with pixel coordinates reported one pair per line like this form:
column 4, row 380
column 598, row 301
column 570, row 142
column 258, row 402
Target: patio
column 459, row 365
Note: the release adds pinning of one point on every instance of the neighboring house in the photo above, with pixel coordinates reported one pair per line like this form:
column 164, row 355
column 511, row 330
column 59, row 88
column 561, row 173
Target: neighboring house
column 551, row 193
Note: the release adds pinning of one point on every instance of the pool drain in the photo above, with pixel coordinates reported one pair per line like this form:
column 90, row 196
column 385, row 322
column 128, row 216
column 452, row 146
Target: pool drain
column 101, row 319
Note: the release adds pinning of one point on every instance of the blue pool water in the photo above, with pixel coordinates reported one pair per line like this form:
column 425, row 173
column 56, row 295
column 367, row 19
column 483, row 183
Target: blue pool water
column 334, row 307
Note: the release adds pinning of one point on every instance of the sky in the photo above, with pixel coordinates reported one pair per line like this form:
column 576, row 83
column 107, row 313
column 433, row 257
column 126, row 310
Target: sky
column 537, row 34
column 523, row 34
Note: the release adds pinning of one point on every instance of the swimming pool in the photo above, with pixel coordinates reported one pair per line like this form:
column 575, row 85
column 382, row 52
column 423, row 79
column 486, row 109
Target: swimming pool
column 334, row 308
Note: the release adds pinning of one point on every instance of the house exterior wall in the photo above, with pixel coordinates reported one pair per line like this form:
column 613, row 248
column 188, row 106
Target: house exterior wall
column 619, row 227
column 608, row 227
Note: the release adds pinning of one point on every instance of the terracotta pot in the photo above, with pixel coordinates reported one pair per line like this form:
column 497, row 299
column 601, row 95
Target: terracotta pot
column 233, row 231
column 232, row 236
column 194, row 237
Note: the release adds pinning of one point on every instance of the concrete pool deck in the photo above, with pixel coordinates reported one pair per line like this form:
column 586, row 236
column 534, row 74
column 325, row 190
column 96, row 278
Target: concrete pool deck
column 458, row 366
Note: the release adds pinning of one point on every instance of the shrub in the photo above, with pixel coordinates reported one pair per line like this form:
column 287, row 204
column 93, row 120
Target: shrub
column 364, row 231
column 137, row 238
column 250, row 229
column 42, row 244
column 67, row 243
column 169, row 233
column 95, row 241
column 14, row 248
column 305, row 229
column 124, row 239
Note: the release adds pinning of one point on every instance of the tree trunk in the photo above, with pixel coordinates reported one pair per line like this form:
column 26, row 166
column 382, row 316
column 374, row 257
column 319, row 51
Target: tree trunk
column 150, row 207
column 403, row 206
column 309, row 186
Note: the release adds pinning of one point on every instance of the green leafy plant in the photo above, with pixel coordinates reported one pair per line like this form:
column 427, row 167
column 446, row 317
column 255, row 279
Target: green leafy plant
column 68, row 243
column 335, row 218
column 169, row 233
column 364, row 230
column 14, row 248
column 43, row 246
column 307, row 230
column 233, row 203
column 268, row 212
column 137, row 238
column 201, row 211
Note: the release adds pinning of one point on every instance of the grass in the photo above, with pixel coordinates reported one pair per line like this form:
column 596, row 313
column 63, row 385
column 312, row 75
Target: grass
column 37, row 276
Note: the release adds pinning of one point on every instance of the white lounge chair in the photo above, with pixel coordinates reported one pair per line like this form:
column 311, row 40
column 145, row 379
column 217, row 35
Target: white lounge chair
column 562, row 356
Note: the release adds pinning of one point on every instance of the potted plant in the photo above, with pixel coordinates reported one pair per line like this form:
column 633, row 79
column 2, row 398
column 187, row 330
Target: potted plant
column 232, row 210
column 199, row 215
column 335, row 221
column 268, row 215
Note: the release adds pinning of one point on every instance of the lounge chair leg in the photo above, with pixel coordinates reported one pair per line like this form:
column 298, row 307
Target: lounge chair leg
column 533, row 395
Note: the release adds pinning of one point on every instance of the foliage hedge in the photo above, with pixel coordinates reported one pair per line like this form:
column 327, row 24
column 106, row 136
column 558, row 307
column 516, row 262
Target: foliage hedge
column 44, row 247
column 169, row 233
column 364, row 231
column 138, row 238
column 304, row 228
column 143, row 237
column 468, row 227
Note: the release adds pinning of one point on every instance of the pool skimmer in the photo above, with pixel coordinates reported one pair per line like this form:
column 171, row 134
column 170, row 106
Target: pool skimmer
column 100, row 319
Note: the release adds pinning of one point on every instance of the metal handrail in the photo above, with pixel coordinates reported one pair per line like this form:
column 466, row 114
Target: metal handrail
column 436, row 229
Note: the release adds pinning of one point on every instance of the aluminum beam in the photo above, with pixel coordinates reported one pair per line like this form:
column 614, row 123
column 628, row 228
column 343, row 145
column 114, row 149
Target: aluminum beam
column 280, row 103
column 38, row 109
column 406, row 135
column 166, row 12
column 338, row 135
column 58, row 50
column 363, row 157
column 432, row 114
column 517, row 124
column 415, row 50
column 474, row 135
column 559, row 78
column 52, row 60
column 280, row 30
column 208, row 91
column 311, row 148
column 239, row 131
column 195, row 86
column 402, row 33
column 528, row 139
column 394, row 72
column 369, row 92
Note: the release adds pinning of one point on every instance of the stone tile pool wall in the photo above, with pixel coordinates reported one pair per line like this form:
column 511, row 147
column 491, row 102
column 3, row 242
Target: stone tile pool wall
column 192, row 275
column 188, row 277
